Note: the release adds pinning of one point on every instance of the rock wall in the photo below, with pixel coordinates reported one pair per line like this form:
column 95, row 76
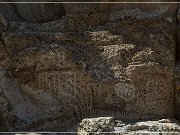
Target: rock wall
column 36, row 13
column 113, row 126
column 92, row 60
column 176, row 70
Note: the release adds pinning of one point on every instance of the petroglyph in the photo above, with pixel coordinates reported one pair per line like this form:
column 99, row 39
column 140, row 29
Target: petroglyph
column 125, row 91
column 83, row 99
column 90, row 63
column 63, row 86
column 113, row 100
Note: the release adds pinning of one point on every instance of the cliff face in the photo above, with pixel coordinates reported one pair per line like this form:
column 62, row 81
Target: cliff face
column 61, row 63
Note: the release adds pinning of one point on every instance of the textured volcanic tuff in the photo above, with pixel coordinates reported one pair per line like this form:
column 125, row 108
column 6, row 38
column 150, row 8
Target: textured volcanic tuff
column 61, row 63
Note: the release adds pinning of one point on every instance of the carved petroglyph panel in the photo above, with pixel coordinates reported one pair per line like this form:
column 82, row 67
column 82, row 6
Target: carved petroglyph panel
column 62, row 85
column 54, row 80
column 125, row 91
column 85, row 98
column 80, row 96
column 76, row 95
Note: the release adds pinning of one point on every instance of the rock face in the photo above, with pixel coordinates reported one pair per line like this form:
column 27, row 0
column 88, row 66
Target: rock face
column 37, row 13
column 96, row 60
column 177, row 91
column 104, row 125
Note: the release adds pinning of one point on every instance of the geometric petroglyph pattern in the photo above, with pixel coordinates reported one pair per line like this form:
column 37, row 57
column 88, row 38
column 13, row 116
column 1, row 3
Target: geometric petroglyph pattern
column 85, row 99
column 62, row 85
column 125, row 91
column 82, row 98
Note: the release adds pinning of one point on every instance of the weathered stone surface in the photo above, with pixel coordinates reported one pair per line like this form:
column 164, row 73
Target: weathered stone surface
column 3, row 22
column 96, row 73
column 106, row 125
column 116, row 62
column 97, row 125
column 36, row 13
column 52, row 26
column 3, row 51
column 177, row 90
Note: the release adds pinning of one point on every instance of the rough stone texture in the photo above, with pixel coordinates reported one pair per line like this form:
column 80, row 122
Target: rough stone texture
column 177, row 90
column 176, row 69
column 104, row 125
column 95, row 61
column 97, row 125
column 37, row 13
